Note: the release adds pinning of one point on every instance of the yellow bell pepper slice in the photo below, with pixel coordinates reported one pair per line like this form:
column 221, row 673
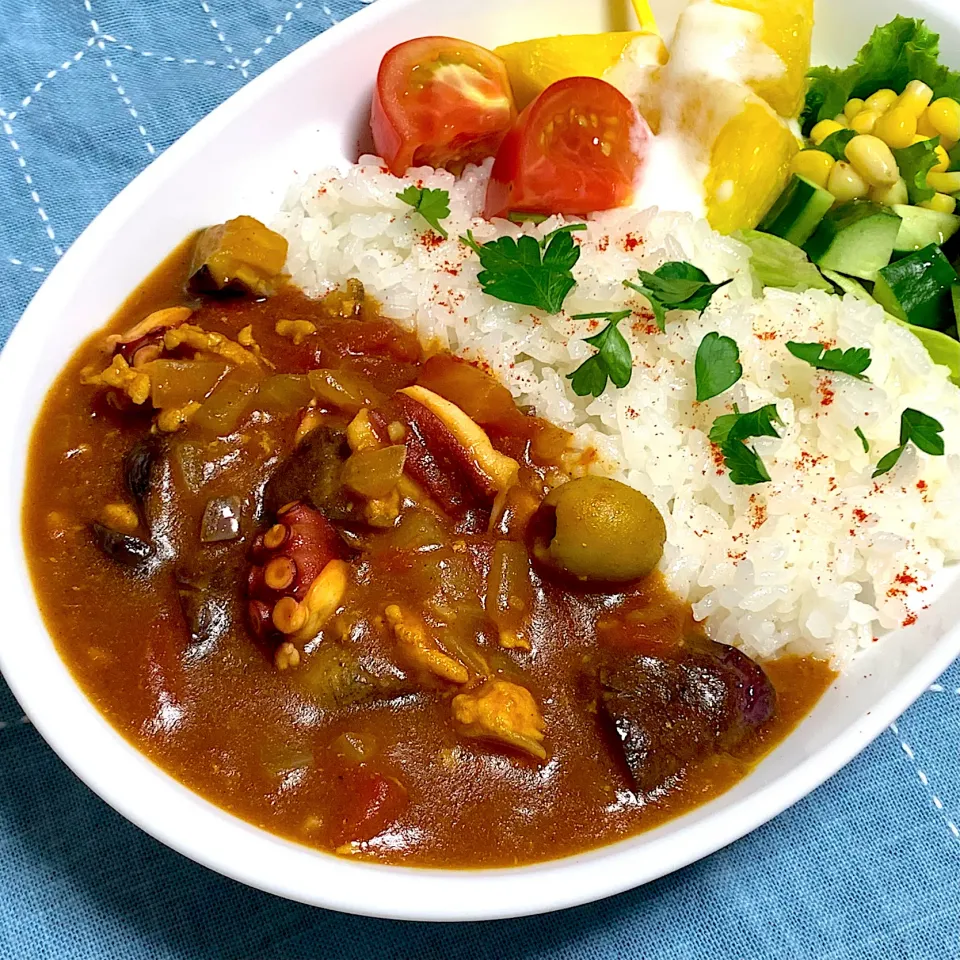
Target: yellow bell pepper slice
column 787, row 30
column 749, row 167
column 533, row 65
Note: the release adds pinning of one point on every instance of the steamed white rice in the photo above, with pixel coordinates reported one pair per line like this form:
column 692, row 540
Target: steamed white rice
column 821, row 560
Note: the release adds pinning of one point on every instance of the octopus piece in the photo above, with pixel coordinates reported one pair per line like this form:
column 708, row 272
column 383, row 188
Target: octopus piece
column 667, row 711
column 422, row 650
column 297, row 578
column 502, row 711
column 495, row 471
column 143, row 342
column 448, row 456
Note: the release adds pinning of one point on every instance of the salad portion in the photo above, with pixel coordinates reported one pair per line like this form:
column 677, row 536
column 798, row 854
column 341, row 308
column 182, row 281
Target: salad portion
column 873, row 192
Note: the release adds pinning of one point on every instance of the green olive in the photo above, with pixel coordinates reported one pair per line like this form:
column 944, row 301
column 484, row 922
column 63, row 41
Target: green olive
column 604, row 530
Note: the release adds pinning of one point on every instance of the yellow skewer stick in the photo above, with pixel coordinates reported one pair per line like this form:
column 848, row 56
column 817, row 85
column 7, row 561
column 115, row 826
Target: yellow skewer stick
column 645, row 15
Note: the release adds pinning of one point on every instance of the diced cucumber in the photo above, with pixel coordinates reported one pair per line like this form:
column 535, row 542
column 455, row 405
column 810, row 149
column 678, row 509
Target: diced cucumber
column 855, row 238
column 921, row 227
column 917, row 288
column 797, row 211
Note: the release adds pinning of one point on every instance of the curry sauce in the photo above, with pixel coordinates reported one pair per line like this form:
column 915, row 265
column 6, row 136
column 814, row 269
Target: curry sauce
column 350, row 741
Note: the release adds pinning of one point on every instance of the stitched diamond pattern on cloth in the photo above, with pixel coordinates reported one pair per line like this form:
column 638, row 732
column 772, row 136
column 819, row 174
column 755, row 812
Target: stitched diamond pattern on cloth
column 867, row 867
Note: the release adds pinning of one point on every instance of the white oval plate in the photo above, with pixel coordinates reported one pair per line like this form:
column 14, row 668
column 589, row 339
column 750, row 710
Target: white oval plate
column 305, row 112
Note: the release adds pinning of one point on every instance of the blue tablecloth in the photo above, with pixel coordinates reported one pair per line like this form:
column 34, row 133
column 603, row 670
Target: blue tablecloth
column 869, row 866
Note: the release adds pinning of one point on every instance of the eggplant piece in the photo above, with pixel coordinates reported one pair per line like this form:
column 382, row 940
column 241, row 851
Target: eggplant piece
column 147, row 473
column 138, row 467
column 668, row 711
column 311, row 474
column 335, row 679
column 241, row 256
column 208, row 600
column 126, row 550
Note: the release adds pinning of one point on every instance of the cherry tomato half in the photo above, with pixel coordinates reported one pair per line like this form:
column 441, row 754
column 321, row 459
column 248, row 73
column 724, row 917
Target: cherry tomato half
column 577, row 148
column 440, row 102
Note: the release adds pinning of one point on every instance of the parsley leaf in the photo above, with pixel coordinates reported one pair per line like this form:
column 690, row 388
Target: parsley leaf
column 675, row 286
column 863, row 439
column 920, row 430
column 852, row 362
column 432, row 205
column 915, row 162
column 717, row 366
column 836, row 144
column 737, row 426
column 731, row 431
column 924, row 431
column 745, row 466
column 888, row 461
column 535, row 273
column 612, row 358
column 903, row 50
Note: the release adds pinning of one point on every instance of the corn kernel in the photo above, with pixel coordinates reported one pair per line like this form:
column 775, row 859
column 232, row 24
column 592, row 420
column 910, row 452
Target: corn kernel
column 896, row 128
column 915, row 98
column 846, row 184
column 919, row 138
column 941, row 203
column 890, row 196
column 823, row 130
column 841, row 118
column 944, row 182
column 853, row 107
column 943, row 161
column 881, row 101
column 872, row 159
column 924, row 127
column 865, row 121
column 944, row 116
column 815, row 165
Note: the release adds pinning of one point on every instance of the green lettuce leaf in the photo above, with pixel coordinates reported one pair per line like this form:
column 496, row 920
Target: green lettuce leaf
column 943, row 349
column 778, row 263
column 903, row 50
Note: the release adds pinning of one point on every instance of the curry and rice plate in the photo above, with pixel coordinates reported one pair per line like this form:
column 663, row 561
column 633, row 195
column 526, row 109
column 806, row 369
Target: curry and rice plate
column 511, row 494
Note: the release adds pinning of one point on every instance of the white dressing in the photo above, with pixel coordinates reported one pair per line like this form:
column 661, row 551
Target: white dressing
column 721, row 43
column 715, row 53
column 670, row 178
